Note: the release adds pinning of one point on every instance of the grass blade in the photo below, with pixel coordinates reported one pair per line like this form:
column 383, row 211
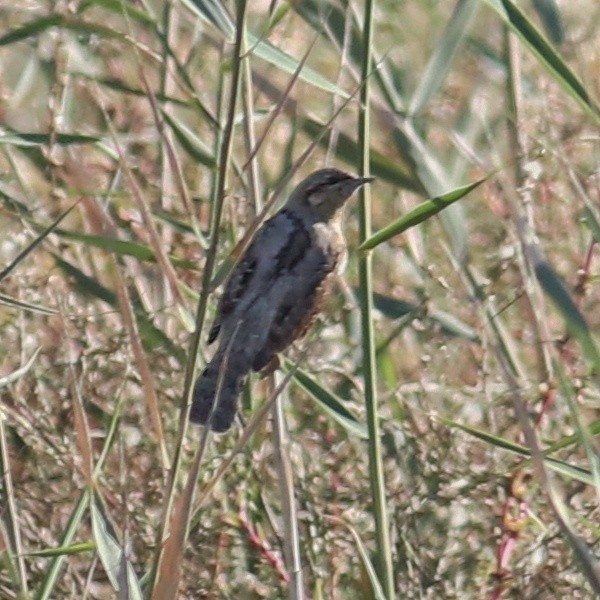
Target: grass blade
column 332, row 405
column 546, row 54
column 446, row 48
column 422, row 212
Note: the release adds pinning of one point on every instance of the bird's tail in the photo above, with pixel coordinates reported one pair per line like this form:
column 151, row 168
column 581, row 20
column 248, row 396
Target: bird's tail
column 205, row 393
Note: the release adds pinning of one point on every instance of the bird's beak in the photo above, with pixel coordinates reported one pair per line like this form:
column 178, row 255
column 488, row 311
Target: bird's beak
column 362, row 180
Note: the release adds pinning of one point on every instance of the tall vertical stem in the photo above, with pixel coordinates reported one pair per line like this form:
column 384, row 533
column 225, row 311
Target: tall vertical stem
column 384, row 553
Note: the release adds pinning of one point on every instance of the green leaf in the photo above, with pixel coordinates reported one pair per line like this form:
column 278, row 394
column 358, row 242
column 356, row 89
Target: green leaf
column 31, row 28
column 64, row 21
column 33, row 245
column 556, row 290
column 363, row 553
column 332, row 405
column 546, row 54
column 43, row 139
column 445, row 50
column 551, row 19
column 36, row 308
column 119, row 86
column 152, row 336
column 213, row 12
column 395, row 308
column 590, row 218
column 71, row 529
column 118, row 568
column 571, row 471
column 64, row 550
column 122, row 247
column 420, row 213
column 190, row 142
column 73, row 524
column 18, row 373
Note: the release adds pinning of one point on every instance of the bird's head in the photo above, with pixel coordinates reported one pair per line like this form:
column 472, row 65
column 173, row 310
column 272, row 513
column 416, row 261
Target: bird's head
column 324, row 192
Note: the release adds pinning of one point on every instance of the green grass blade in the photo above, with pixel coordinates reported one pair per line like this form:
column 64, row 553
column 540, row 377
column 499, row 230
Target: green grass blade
column 213, row 12
column 18, row 373
column 422, row 212
column 152, row 336
column 21, row 305
column 395, row 308
column 29, row 140
column 551, row 19
column 190, row 142
column 46, row 591
column 576, row 323
column 122, row 247
column 31, row 247
column 443, row 56
column 112, row 554
column 563, row 468
column 64, row 550
column 363, row 553
column 332, row 405
column 68, row 22
column 546, row 54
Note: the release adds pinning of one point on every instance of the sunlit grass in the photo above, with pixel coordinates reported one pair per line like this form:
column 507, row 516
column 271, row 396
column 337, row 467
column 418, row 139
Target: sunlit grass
column 436, row 432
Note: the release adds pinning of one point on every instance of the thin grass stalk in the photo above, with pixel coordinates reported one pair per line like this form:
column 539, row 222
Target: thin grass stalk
column 15, row 555
column 51, row 577
column 524, row 221
column 167, row 186
column 257, row 420
column 291, row 537
column 217, row 210
column 254, row 187
column 524, row 225
column 170, row 567
column 384, row 551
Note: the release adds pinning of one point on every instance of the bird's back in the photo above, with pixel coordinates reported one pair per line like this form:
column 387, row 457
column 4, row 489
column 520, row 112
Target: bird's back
column 274, row 292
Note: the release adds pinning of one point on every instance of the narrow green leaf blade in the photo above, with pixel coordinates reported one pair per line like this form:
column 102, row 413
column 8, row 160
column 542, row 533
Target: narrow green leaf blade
column 546, row 54
column 122, row 247
column 43, row 139
column 420, row 213
column 332, row 405
column 214, row 13
column 396, row 308
column 21, row 305
column 441, row 60
column 376, row 587
column 152, row 336
column 556, row 290
column 34, row 244
column 190, row 142
column 64, row 550
column 18, row 373
column 118, row 568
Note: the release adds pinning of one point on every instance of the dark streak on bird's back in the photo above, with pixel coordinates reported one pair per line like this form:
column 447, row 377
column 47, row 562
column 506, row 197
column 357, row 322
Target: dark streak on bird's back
column 296, row 246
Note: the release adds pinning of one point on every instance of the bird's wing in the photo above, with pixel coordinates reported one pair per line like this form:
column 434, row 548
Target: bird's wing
column 303, row 291
column 277, row 247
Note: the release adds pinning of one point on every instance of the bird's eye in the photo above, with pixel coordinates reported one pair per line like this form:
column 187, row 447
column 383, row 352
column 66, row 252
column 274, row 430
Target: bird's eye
column 331, row 180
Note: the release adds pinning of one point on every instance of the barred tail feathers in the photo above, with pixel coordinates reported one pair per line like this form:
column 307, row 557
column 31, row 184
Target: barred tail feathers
column 205, row 393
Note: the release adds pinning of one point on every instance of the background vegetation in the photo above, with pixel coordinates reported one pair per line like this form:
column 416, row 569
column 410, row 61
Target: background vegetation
column 438, row 437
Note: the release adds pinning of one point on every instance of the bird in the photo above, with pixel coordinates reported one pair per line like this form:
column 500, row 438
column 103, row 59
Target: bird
column 274, row 292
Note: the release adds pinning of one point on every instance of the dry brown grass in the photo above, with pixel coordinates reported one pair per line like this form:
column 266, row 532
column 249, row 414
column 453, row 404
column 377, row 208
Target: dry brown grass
column 97, row 413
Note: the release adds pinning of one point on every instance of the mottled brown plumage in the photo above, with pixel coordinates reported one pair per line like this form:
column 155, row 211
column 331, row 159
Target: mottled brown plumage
column 275, row 292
